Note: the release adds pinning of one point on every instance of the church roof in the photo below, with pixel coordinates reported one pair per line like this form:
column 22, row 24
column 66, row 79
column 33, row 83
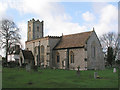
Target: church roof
column 73, row 40
column 27, row 54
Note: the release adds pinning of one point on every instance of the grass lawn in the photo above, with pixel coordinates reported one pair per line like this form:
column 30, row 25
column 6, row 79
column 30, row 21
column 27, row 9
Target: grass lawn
column 48, row 78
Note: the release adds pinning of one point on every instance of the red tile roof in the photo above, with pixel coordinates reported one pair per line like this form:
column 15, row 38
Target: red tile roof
column 73, row 40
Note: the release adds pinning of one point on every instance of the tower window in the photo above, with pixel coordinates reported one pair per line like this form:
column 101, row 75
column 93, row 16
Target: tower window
column 37, row 28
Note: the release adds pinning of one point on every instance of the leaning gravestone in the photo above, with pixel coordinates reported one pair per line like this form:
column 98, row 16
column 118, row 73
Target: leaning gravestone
column 95, row 75
column 114, row 70
column 28, row 67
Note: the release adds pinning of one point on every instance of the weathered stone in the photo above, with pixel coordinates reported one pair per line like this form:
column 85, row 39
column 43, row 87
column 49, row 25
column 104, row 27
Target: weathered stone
column 28, row 67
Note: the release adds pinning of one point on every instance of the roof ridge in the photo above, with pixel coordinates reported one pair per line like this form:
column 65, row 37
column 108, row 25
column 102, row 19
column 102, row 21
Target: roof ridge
column 74, row 40
column 78, row 33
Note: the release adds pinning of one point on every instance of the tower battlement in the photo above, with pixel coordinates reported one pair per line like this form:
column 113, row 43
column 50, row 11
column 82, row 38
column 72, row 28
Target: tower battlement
column 35, row 29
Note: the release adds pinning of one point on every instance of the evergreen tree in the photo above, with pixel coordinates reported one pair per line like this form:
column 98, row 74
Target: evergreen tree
column 110, row 56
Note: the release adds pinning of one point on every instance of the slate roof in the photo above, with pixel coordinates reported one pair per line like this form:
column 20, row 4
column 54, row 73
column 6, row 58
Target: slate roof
column 73, row 40
column 28, row 54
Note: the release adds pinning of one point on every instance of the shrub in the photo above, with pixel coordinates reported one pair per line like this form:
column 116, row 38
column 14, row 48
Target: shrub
column 13, row 64
column 35, row 68
column 23, row 65
column 4, row 64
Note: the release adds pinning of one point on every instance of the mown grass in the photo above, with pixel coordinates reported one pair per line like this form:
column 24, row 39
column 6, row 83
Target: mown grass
column 48, row 78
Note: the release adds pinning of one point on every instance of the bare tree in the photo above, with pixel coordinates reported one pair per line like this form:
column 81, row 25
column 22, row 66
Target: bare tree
column 109, row 40
column 9, row 35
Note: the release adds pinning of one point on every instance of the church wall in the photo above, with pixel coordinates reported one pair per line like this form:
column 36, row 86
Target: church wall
column 45, row 43
column 79, row 58
column 63, row 57
column 52, row 44
column 98, row 61
column 48, row 43
column 32, row 44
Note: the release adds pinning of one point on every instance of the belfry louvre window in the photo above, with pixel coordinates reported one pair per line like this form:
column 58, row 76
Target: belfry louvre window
column 71, row 57
column 37, row 28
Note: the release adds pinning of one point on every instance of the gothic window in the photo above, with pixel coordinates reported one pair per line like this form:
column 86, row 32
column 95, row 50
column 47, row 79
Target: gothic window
column 57, row 57
column 93, row 51
column 71, row 57
column 38, row 28
column 42, row 53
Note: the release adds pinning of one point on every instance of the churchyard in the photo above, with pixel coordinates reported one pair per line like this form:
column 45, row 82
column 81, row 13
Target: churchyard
column 50, row 78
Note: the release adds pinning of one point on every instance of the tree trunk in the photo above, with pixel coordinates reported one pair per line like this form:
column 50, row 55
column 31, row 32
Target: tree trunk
column 6, row 51
column 111, row 65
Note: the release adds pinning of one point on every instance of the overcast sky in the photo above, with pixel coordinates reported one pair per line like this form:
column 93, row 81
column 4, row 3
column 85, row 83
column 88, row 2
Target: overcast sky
column 62, row 17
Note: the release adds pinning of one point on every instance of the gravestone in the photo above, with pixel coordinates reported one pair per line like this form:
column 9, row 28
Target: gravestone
column 95, row 75
column 114, row 70
column 78, row 71
column 28, row 67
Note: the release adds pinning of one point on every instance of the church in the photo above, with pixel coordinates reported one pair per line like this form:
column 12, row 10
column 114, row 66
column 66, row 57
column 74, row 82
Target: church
column 64, row 52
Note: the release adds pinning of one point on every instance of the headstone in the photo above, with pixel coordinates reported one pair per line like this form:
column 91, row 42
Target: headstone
column 78, row 71
column 28, row 67
column 54, row 68
column 114, row 70
column 95, row 75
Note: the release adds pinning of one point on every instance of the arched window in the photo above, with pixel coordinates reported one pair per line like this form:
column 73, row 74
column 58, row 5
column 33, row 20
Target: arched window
column 71, row 57
column 57, row 57
column 93, row 50
column 42, row 53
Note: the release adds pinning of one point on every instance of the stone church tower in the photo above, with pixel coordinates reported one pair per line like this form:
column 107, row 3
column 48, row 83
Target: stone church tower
column 35, row 29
